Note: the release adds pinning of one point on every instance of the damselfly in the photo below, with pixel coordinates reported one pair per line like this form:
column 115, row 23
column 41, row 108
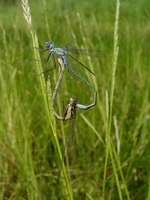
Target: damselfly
column 69, row 114
column 63, row 53
column 71, row 136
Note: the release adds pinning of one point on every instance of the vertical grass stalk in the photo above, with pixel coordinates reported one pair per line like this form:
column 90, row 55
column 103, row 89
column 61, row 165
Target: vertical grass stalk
column 110, row 109
column 65, row 180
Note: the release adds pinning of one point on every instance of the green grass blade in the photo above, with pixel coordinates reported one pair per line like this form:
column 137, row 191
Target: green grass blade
column 49, row 109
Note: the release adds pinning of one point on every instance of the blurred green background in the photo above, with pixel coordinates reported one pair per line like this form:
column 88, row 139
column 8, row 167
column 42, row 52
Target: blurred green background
column 29, row 163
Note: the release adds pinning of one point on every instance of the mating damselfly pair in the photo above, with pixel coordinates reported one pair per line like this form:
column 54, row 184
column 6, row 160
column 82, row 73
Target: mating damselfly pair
column 65, row 53
column 72, row 136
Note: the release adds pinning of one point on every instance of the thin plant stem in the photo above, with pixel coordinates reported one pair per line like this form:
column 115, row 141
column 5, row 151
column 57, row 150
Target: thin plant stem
column 27, row 15
column 110, row 103
column 64, row 179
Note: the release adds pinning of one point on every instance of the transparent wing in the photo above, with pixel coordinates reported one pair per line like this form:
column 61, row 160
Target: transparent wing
column 72, row 136
column 72, row 144
column 68, row 146
column 75, row 143
column 90, row 52
column 74, row 148
column 70, row 48
column 81, row 64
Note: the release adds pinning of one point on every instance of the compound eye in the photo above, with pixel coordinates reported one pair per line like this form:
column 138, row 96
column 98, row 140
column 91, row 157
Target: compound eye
column 47, row 44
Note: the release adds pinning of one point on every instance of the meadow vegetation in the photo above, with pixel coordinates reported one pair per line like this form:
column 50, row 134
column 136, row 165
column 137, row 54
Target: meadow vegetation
column 115, row 134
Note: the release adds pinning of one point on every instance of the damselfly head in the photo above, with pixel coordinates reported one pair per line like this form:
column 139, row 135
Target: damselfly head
column 73, row 100
column 49, row 45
